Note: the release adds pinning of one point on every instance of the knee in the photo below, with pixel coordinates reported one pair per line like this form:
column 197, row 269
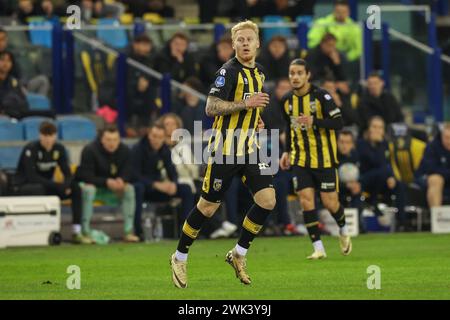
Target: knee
column 207, row 208
column 266, row 199
column 435, row 181
column 307, row 202
column 331, row 202
column 88, row 192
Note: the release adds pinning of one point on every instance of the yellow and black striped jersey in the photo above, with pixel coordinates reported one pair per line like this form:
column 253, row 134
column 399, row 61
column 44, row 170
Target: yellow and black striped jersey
column 313, row 147
column 235, row 82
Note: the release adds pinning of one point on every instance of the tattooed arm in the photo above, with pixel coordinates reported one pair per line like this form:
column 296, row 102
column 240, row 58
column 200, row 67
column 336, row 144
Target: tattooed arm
column 218, row 107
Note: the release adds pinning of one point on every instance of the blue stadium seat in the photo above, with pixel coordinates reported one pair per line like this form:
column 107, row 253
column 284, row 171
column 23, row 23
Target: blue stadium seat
column 38, row 101
column 31, row 127
column 270, row 32
column 76, row 128
column 41, row 37
column 10, row 130
column 10, row 157
column 116, row 38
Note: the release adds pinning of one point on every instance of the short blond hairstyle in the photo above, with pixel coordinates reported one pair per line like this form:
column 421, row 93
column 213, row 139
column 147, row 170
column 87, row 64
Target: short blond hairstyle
column 247, row 24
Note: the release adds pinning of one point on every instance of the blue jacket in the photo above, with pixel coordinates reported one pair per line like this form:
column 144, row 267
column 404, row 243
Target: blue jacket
column 374, row 156
column 436, row 159
column 148, row 163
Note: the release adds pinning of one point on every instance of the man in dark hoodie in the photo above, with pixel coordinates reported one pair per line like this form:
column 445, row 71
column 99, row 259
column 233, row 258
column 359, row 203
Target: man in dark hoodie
column 221, row 52
column 141, row 89
column 104, row 174
column 376, row 172
column 175, row 59
column 275, row 58
column 151, row 157
column 434, row 170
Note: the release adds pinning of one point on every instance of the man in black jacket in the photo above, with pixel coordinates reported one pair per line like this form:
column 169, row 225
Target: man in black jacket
column 275, row 58
column 105, row 174
column 151, row 156
column 175, row 59
column 36, row 170
column 376, row 101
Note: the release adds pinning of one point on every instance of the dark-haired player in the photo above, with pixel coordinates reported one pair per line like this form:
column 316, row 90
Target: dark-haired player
column 313, row 119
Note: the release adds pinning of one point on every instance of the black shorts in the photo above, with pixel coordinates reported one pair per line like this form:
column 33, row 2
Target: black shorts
column 218, row 178
column 325, row 180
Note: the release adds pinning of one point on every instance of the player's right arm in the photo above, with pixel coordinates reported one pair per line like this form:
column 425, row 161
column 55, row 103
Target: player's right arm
column 221, row 97
column 218, row 107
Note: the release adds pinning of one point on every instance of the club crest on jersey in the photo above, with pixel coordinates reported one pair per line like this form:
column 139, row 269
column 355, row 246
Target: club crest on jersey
column 220, row 81
column 113, row 169
column 245, row 80
column 263, row 77
column 55, row 155
column 217, row 185
column 312, row 106
column 40, row 155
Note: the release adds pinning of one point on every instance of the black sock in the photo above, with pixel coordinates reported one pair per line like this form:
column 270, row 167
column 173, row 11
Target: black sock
column 339, row 216
column 191, row 228
column 252, row 225
column 311, row 220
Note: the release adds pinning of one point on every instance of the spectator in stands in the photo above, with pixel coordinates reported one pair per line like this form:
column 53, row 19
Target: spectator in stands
column 92, row 9
column 189, row 106
column 151, row 156
column 175, row 59
column 48, row 11
column 36, row 170
column 327, row 62
column 375, row 101
column 13, row 102
column 347, row 32
column 376, row 173
column 349, row 187
column 142, row 89
column 27, row 9
column 350, row 115
column 434, row 171
column 275, row 58
column 105, row 173
column 38, row 84
column 213, row 60
column 139, row 7
column 272, row 115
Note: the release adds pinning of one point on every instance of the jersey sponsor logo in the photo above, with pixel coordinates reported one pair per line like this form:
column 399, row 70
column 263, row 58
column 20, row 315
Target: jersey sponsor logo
column 327, row 96
column 327, row 185
column 263, row 166
column 220, row 81
column 222, row 72
column 334, row 112
column 217, row 184
column 46, row 166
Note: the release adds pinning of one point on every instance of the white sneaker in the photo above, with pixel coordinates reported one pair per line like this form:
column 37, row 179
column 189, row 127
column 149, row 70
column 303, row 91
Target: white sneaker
column 219, row 233
column 229, row 228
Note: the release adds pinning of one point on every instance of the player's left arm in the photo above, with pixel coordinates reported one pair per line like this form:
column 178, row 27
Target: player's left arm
column 332, row 117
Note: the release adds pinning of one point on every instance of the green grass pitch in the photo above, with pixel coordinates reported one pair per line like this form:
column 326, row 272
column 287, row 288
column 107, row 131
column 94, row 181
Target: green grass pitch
column 413, row 266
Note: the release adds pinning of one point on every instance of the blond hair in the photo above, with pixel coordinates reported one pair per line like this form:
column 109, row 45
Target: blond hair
column 247, row 24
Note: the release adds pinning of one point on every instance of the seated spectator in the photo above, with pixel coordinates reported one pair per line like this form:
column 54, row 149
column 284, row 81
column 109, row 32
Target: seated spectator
column 36, row 170
column 48, row 11
column 13, row 102
column 350, row 115
column 188, row 106
column 142, row 89
column 434, row 170
column 151, row 156
column 175, row 59
column 105, row 173
column 375, row 101
column 92, row 9
column 272, row 115
column 139, row 7
column 38, row 84
column 348, row 33
column 27, row 9
column 326, row 61
column 376, row 173
column 349, row 187
column 275, row 58
column 213, row 60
